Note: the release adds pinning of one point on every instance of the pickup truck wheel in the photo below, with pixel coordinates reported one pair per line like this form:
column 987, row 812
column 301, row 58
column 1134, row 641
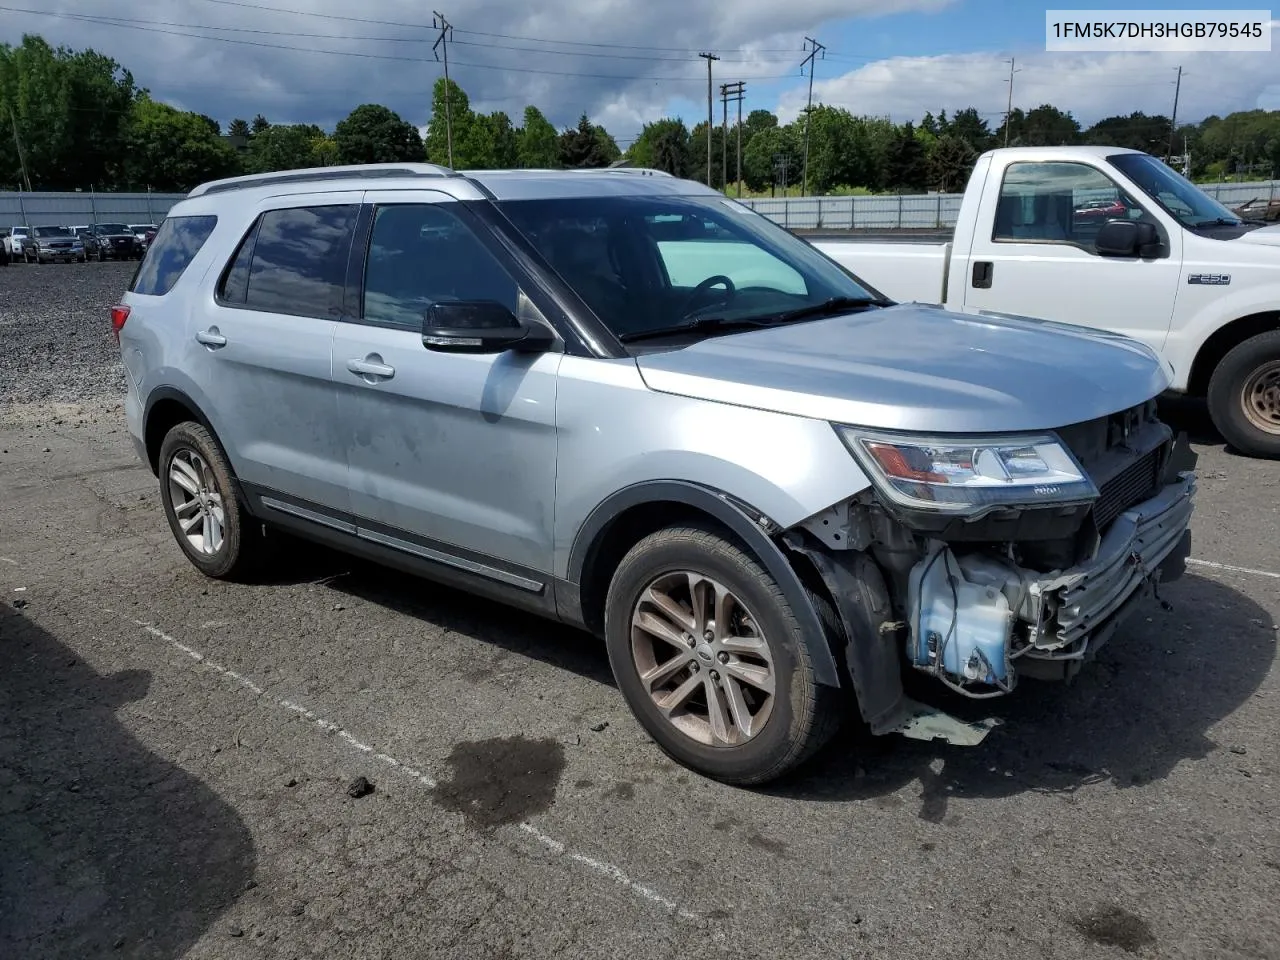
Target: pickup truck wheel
column 1244, row 396
column 711, row 659
column 198, row 492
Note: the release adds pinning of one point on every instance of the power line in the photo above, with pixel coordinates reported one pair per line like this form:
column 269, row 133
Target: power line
column 375, row 56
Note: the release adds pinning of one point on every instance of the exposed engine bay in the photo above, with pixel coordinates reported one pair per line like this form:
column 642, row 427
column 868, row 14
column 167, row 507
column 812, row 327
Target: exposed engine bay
column 1020, row 591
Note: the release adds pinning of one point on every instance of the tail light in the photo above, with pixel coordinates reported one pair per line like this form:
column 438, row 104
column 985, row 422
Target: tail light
column 119, row 314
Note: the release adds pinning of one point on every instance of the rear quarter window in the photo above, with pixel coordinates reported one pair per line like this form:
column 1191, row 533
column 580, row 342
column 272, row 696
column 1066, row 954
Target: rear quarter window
column 176, row 243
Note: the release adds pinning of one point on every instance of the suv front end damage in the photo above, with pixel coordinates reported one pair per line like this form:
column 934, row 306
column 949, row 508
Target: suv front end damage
column 1003, row 580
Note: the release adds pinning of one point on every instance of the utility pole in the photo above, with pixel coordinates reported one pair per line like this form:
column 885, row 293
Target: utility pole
column 22, row 157
column 724, row 139
column 710, row 120
column 1173, row 121
column 438, row 22
column 734, row 91
column 1009, row 109
column 814, row 48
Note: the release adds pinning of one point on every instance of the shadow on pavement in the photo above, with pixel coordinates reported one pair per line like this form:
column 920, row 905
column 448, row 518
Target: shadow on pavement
column 1144, row 705
column 105, row 848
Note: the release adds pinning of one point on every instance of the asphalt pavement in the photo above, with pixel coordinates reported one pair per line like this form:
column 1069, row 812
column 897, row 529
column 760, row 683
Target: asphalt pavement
column 181, row 760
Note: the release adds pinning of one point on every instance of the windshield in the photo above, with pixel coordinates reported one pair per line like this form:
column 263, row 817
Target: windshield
column 648, row 262
column 52, row 232
column 1178, row 195
column 113, row 228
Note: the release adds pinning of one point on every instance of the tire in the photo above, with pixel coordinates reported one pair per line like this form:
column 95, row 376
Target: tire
column 798, row 719
column 238, row 553
column 1244, row 396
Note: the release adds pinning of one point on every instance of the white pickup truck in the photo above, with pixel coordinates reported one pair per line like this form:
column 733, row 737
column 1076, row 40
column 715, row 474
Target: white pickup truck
column 1115, row 239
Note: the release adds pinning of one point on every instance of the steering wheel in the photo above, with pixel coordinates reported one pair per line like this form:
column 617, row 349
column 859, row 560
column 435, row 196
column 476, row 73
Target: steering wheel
column 698, row 291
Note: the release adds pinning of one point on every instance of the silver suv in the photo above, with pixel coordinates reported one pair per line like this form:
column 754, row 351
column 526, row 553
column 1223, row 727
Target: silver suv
column 623, row 401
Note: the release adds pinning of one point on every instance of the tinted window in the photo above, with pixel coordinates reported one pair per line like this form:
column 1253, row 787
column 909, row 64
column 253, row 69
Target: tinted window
column 646, row 262
column 52, row 232
column 299, row 261
column 1059, row 202
column 177, row 242
column 114, row 228
column 421, row 253
column 235, row 282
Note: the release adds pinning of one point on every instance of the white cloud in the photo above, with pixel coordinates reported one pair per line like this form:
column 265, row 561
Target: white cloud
column 1090, row 85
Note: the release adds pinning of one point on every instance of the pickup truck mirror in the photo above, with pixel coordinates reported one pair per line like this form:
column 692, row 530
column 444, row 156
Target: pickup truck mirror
column 1127, row 238
column 480, row 326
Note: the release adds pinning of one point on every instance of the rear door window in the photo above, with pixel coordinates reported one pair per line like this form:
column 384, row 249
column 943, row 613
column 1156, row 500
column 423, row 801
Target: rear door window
column 297, row 263
column 176, row 243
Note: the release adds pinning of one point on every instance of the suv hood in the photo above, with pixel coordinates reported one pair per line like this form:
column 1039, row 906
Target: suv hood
column 918, row 367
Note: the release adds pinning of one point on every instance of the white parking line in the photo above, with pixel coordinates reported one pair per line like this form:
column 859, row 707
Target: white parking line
column 1230, row 569
column 328, row 726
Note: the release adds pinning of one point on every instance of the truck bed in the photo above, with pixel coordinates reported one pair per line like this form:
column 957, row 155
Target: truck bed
column 903, row 266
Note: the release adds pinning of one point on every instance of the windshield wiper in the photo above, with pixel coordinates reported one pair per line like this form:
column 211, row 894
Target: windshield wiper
column 726, row 325
column 700, row 325
column 830, row 306
column 1219, row 222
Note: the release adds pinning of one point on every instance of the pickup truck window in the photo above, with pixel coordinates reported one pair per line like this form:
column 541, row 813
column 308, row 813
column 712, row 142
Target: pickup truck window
column 1179, row 196
column 648, row 262
column 1059, row 202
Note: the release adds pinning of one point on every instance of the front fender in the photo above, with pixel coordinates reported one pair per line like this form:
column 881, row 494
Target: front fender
column 1214, row 312
column 747, row 523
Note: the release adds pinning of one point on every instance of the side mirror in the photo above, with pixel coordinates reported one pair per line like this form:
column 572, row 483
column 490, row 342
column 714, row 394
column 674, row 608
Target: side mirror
column 1127, row 238
column 479, row 326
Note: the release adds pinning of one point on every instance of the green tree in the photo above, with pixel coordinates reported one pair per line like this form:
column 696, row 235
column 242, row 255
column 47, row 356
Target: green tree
column 283, row 147
column 260, row 124
column 1137, row 131
column 950, row 161
column 764, row 155
column 372, row 133
column 71, row 110
column 968, row 125
column 538, row 144
column 663, row 145
column 587, row 145
column 503, row 141
column 170, row 149
column 906, row 167
column 471, row 141
column 1045, row 126
column 238, row 128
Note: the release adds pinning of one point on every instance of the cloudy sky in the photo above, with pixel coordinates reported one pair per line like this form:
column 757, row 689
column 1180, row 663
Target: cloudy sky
column 625, row 62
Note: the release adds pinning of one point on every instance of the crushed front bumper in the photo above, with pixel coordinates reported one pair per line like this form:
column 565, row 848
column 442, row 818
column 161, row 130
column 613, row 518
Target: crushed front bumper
column 979, row 621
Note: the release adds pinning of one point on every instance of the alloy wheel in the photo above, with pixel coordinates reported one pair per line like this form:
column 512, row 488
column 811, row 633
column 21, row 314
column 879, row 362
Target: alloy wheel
column 702, row 657
column 197, row 502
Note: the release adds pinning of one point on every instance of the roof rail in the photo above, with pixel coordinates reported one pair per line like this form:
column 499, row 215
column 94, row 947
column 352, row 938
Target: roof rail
column 642, row 171
column 361, row 171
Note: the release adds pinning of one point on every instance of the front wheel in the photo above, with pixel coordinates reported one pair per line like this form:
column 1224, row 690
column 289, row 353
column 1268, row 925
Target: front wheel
column 1244, row 396
column 712, row 660
column 199, row 496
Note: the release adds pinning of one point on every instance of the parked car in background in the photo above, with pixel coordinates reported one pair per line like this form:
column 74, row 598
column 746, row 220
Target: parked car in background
column 14, row 243
column 53, row 244
column 144, row 232
column 1176, row 270
column 628, row 403
column 116, row 241
column 85, row 233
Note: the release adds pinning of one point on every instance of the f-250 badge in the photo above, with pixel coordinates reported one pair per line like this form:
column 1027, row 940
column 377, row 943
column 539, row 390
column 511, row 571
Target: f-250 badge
column 1210, row 279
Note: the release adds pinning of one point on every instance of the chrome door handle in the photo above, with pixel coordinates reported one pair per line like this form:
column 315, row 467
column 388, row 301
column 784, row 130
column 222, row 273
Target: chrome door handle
column 371, row 366
column 211, row 338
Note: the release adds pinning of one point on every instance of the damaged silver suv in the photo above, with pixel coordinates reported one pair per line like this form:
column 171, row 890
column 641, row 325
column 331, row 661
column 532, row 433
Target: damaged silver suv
column 625, row 402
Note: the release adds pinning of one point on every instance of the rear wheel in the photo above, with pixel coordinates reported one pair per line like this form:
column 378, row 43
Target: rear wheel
column 1244, row 396
column 712, row 660
column 198, row 491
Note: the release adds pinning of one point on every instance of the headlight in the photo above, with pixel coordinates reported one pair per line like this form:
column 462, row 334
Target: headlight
column 970, row 476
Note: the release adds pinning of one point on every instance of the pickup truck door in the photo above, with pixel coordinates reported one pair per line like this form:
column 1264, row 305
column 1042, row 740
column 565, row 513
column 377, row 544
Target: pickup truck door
column 1033, row 254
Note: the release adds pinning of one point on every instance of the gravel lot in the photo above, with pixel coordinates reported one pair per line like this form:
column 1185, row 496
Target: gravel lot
column 179, row 758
